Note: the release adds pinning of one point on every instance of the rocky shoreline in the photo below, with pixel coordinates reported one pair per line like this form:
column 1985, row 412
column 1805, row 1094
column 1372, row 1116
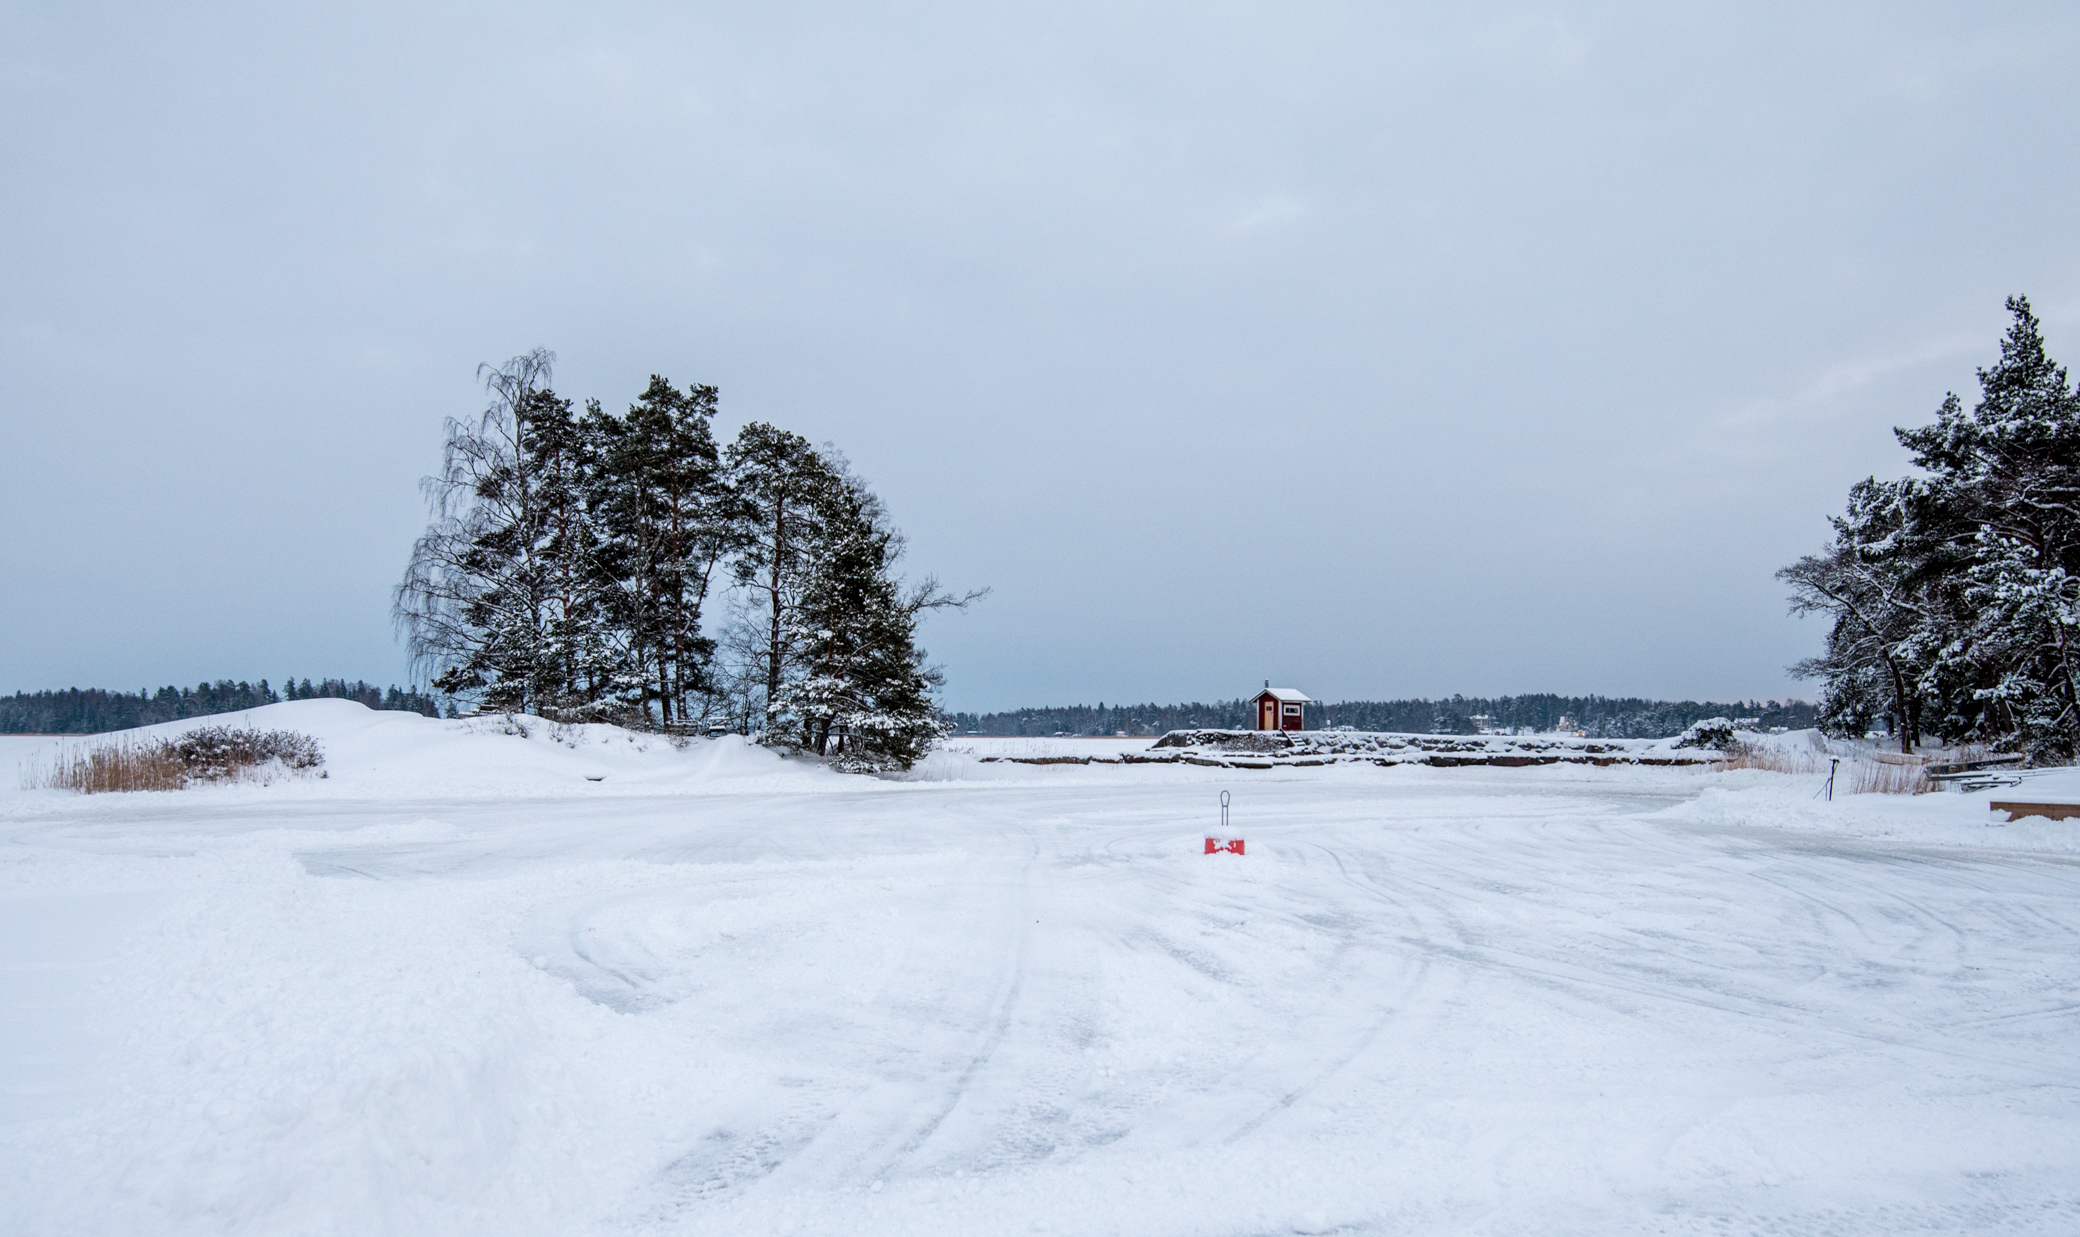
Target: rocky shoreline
column 1258, row 749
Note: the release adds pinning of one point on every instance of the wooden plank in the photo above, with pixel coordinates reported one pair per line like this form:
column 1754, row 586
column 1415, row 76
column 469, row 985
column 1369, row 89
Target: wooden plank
column 2049, row 811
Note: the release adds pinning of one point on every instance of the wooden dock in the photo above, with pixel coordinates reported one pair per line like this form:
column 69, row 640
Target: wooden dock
column 2049, row 811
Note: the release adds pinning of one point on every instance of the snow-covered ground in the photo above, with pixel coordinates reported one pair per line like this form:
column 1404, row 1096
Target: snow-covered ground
column 456, row 987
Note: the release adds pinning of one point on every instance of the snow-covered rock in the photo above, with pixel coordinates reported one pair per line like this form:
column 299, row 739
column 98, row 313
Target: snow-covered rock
column 1270, row 749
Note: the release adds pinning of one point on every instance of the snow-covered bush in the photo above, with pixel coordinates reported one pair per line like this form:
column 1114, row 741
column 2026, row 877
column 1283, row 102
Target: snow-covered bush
column 222, row 754
column 1712, row 732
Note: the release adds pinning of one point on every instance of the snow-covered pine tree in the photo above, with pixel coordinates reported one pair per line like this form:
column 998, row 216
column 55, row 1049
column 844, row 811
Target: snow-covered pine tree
column 2026, row 615
column 1956, row 598
column 1877, row 582
column 785, row 487
column 557, row 449
column 863, row 694
column 824, row 627
column 667, row 519
column 2007, row 477
column 622, row 565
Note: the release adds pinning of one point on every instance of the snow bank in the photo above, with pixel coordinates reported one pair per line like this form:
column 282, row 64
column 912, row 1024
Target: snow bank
column 2042, row 786
column 1751, row 798
column 393, row 754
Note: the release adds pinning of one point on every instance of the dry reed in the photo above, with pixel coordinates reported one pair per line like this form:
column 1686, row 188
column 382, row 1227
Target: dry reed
column 1773, row 760
column 1886, row 777
column 1863, row 773
column 121, row 766
column 210, row 754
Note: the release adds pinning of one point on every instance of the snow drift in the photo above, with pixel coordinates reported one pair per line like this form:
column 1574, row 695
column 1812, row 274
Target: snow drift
column 458, row 988
column 367, row 752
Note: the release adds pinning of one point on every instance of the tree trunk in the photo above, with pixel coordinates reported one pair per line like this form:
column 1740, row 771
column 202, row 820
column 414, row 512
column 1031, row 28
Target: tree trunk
column 2071, row 702
column 1899, row 697
column 773, row 585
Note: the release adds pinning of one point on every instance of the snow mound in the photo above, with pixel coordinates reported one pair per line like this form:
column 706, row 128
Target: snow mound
column 393, row 754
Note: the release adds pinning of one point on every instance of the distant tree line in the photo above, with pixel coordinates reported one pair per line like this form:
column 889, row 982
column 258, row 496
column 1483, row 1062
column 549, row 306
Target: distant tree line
column 1599, row 716
column 1602, row 717
column 94, row 711
column 1955, row 596
column 575, row 561
column 1083, row 719
column 391, row 699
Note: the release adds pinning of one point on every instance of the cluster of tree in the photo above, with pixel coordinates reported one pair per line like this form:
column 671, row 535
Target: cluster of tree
column 392, row 699
column 574, row 558
column 1955, row 595
column 1600, row 716
column 94, row 711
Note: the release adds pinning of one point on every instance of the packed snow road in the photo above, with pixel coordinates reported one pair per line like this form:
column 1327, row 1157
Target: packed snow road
column 1466, row 1001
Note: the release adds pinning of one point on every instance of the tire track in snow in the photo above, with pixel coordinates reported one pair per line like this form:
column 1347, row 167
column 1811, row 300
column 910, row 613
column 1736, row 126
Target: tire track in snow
column 726, row 1162
column 853, row 1119
column 1614, row 968
column 1393, row 1008
column 1580, row 979
column 1968, row 950
column 578, row 947
column 1000, row 1021
column 1576, row 979
column 1353, row 958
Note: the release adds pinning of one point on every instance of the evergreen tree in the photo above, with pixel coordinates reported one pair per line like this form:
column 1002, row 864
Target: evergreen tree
column 2007, row 479
column 1881, row 583
column 667, row 520
column 785, row 489
column 1956, row 599
column 864, row 694
column 557, row 450
column 618, row 665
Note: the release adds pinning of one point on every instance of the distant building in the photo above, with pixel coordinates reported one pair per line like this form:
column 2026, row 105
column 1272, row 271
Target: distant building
column 1278, row 708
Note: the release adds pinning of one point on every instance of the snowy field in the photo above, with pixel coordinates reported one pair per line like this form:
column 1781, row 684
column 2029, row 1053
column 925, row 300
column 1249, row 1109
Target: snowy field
column 457, row 988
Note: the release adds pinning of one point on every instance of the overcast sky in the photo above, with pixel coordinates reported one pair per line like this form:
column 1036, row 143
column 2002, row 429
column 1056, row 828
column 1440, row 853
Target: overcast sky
column 1377, row 350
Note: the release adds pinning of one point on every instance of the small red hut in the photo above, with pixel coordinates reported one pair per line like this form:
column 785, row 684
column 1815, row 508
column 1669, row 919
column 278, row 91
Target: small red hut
column 1278, row 708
